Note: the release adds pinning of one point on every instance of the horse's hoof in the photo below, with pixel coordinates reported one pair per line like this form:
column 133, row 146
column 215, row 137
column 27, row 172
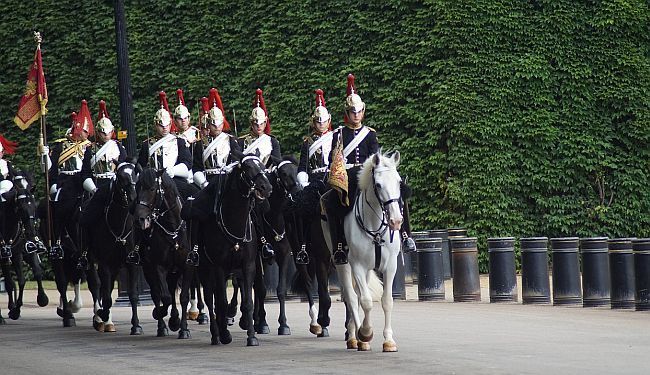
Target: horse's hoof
column 390, row 346
column 59, row 312
column 214, row 341
column 365, row 337
column 136, row 331
column 162, row 332
column 352, row 343
column 74, row 307
column 284, row 331
column 230, row 320
column 202, row 318
column 42, row 300
column 109, row 328
column 174, row 323
column 325, row 333
column 69, row 322
column 315, row 329
column 98, row 325
column 184, row 334
column 14, row 313
column 225, row 337
column 262, row 329
column 192, row 315
column 363, row 346
column 252, row 341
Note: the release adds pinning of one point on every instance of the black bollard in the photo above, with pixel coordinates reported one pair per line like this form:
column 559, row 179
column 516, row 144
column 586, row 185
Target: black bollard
column 446, row 253
column 641, row 248
column 431, row 280
column 535, row 286
column 411, row 259
column 621, row 271
column 503, row 270
column 399, row 282
column 455, row 233
column 143, row 289
column 595, row 272
column 566, row 271
column 467, row 285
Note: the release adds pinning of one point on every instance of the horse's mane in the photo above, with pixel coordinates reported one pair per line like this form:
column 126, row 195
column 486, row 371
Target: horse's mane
column 29, row 177
column 365, row 174
column 290, row 158
column 148, row 180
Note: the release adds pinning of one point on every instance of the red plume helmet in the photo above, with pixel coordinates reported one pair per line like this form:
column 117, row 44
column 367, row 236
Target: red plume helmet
column 258, row 101
column 321, row 109
column 181, row 99
column 164, row 105
column 351, row 90
column 103, row 112
column 215, row 100
column 353, row 100
column 8, row 147
column 205, row 107
column 83, row 121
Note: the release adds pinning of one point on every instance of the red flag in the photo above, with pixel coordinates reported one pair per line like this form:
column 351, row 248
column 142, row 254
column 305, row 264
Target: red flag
column 33, row 102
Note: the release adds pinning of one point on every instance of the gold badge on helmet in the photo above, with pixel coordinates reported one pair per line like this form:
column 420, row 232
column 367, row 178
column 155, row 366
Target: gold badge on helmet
column 181, row 111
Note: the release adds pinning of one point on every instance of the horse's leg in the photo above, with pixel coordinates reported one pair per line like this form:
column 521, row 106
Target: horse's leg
column 134, row 298
column 158, row 312
column 94, row 286
column 77, row 303
column 203, row 317
column 62, row 286
column 20, row 276
column 188, row 278
column 261, row 326
column 193, row 311
column 248, row 275
column 283, row 258
column 351, row 304
column 207, row 280
column 364, row 334
column 324, row 299
column 232, row 306
column 10, row 285
column 34, row 262
column 387, row 305
column 174, row 322
column 105, row 289
column 221, row 303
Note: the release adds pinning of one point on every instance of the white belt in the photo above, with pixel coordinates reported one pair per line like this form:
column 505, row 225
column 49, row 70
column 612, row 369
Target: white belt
column 318, row 170
column 105, row 175
column 348, row 166
column 215, row 171
column 69, row 173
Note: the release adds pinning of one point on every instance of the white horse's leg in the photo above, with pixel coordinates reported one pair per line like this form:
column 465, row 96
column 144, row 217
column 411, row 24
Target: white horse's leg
column 364, row 334
column 351, row 303
column 193, row 311
column 76, row 305
column 314, row 327
column 387, row 304
column 109, row 326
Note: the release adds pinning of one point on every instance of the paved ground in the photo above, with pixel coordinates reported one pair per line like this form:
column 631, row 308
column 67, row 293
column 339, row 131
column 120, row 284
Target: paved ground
column 433, row 338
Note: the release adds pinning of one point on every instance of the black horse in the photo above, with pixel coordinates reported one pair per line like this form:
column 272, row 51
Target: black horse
column 162, row 244
column 228, row 241
column 110, row 238
column 21, row 243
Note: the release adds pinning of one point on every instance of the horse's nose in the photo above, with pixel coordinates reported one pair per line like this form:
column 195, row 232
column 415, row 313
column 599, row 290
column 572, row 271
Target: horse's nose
column 395, row 224
column 144, row 222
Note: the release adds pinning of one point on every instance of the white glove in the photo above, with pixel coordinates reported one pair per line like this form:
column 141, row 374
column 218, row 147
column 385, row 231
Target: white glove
column 303, row 179
column 89, row 185
column 200, row 180
column 5, row 186
column 44, row 150
column 53, row 189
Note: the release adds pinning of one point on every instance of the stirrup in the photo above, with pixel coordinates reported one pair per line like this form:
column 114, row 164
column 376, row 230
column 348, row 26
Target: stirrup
column 56, row 251
column 133, row 257
column 5, row 252
column 82, row 263
column 193, row 257
column 30, row 247
column 40, row 246
column 340, row 255
column 408, row 244
column 302, row 257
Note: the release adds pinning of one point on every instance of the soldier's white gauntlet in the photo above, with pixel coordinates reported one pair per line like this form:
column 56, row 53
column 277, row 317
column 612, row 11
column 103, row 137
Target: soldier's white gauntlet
column 303, row 179
column 5, row 186
column 200, row 180
column 89, row 185
column 179, row 170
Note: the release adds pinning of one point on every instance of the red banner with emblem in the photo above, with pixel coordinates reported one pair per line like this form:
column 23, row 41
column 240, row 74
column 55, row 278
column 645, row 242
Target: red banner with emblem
column 32, row 103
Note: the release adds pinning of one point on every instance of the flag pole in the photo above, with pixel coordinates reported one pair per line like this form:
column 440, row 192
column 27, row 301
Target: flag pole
column 44, row 158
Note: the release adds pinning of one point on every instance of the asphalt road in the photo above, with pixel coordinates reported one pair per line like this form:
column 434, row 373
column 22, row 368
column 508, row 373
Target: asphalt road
column 433, row 338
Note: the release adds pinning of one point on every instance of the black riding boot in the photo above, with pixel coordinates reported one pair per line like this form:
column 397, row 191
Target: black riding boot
column 339, row 245
column 408, row 244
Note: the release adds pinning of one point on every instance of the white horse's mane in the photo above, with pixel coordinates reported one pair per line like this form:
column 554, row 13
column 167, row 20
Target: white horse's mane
column 365, row 174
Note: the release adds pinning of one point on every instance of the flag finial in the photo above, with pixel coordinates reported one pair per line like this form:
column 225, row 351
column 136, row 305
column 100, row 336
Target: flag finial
column 37, row 37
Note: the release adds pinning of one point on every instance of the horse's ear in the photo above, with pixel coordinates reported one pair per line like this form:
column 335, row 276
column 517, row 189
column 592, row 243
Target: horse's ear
column 396, row 157
column 375, row 159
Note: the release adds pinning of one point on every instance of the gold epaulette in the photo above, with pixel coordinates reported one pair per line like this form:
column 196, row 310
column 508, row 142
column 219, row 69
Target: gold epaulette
column 306, row 138
column 60, row 140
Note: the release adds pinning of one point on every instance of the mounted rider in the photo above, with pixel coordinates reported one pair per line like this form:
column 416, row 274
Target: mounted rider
column 213, row 154
column 66, row 183
column 165, row 151
column 7, row 191
column 99, row 165
column 356, row 143
column 259, row 140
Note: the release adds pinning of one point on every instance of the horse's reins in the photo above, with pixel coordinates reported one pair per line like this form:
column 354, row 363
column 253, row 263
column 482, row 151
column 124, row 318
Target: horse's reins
column 155, row 215
column 378, row 233
column 122, row 237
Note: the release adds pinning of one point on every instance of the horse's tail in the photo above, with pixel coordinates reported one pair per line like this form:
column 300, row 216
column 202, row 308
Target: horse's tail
column 376, row 286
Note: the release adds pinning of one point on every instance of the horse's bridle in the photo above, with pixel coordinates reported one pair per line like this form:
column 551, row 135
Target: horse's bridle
column 121, row 238
column 155, row 211
column 378, row 233
column 251, row 183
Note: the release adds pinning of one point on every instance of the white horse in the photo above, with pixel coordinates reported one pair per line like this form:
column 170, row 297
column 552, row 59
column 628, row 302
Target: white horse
column 370, row 230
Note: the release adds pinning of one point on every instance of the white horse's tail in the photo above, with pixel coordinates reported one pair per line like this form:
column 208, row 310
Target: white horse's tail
column 376, row 286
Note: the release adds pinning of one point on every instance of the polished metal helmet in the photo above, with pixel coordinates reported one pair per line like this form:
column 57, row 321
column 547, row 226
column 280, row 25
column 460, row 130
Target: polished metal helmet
column 104, row 122
column 162, row 116
column 353, row 101
column 181, row 111
column 321, row 114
